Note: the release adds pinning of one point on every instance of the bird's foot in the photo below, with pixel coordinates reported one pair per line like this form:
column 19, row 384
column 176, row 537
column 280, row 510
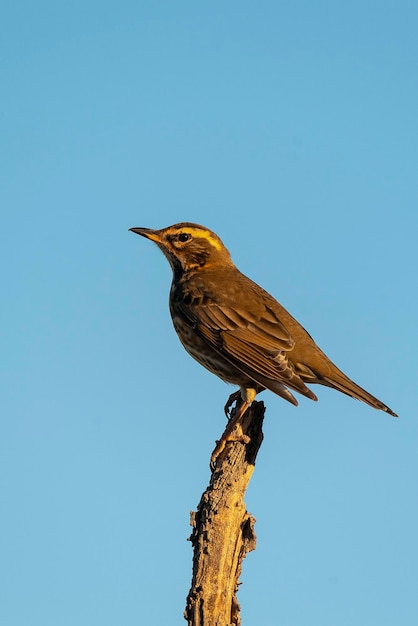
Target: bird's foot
column 234, row 397
column 233, row 431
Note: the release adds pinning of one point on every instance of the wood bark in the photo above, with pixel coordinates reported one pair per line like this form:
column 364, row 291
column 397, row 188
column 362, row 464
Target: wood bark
column 223, row 530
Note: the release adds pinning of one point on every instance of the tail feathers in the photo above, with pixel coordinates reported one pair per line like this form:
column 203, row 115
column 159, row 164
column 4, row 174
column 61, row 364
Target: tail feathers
column 336, row 380
column 350, row 388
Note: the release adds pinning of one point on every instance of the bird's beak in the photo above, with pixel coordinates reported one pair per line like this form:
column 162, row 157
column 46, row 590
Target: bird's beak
column 149, row 233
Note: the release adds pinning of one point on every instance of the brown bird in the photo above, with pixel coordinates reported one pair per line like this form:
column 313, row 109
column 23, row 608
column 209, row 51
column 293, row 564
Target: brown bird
column 237, row 330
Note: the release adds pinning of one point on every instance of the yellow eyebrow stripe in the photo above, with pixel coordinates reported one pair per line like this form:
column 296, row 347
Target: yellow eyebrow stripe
column 204, row 234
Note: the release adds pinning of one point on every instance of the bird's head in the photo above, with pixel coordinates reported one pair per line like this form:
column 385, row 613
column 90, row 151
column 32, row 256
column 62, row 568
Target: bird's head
column 188, row 246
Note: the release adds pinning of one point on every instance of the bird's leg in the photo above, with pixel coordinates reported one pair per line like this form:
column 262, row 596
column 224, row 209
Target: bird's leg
column 247, row 397
column 234, row 397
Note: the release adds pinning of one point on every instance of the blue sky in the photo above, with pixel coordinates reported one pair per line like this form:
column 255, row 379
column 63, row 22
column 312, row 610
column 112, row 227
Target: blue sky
column 291, row 130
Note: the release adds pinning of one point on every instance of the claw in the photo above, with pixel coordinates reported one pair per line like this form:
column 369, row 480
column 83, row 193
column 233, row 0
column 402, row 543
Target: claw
column 234, row 419
column 234, row 397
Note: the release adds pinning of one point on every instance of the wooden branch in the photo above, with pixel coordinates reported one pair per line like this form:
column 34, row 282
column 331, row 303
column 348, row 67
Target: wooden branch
column 223, row 530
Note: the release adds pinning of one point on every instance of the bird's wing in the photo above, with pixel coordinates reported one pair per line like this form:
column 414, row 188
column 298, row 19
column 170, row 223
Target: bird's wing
column 256, row 344
column 264, row 329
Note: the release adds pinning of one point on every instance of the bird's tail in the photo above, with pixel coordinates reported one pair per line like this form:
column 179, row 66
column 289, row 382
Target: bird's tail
column 326, row 373
column 338, row 380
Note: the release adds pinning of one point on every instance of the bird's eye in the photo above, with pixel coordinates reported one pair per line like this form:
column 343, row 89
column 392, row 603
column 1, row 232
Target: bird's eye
column 184, row 237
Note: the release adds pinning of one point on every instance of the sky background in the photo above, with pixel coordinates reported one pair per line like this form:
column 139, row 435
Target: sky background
column 290, row 129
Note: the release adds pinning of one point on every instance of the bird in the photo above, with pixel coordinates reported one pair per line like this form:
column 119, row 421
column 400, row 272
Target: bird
column 237, row 330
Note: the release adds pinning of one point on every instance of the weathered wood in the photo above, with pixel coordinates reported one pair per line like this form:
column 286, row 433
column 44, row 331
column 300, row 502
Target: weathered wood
column 223, row 530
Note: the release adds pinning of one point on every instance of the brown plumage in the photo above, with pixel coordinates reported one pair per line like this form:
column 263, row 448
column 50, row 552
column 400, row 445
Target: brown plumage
column 237, row 330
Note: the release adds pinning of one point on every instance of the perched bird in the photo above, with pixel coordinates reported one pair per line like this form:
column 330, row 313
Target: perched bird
column 237, row 330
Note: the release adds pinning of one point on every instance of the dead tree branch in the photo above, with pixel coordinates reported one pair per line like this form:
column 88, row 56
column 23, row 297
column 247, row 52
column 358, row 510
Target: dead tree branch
column 223, row 530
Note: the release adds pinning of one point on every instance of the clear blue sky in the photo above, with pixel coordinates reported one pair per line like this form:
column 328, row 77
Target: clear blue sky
column 291, row 130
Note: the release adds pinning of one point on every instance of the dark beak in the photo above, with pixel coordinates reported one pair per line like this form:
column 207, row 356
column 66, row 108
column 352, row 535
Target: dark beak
column 149, row 233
